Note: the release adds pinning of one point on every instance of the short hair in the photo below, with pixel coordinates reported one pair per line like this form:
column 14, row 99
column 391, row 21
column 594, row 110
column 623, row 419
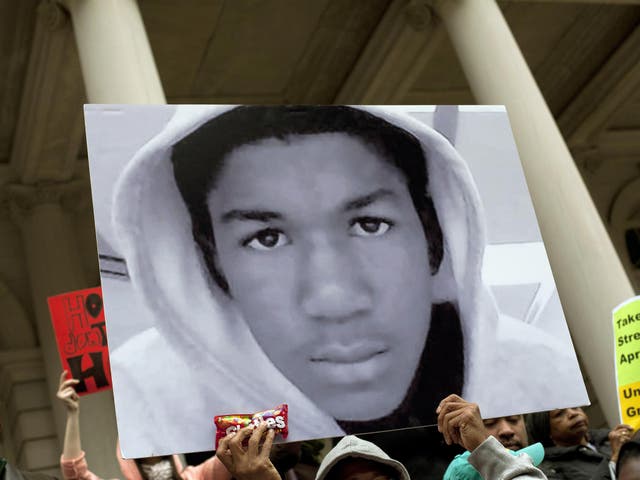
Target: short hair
column 539, row 428
column 628, row 451
column 198, row 160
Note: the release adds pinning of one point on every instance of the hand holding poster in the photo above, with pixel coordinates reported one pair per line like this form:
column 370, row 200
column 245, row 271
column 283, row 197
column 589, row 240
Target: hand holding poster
column 78, row 321
column 626, row 330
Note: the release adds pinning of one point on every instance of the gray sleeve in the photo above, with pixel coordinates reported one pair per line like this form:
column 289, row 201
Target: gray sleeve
column 494, row 462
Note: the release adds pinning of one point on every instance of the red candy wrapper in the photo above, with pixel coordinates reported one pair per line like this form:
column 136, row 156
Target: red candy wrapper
column 276, row 418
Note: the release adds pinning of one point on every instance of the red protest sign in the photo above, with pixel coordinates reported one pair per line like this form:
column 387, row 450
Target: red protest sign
column 78, row 321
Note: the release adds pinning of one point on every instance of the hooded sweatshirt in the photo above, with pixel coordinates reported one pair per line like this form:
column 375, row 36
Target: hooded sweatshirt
column 354, row 447
column 200, row 358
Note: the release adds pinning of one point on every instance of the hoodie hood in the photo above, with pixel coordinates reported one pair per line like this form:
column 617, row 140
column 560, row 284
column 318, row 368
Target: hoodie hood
column 197, row 320
column 354, row 447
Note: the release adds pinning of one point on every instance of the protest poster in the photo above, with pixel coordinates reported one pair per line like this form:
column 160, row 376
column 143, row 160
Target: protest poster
column 356, row 263
column 79, row 325
column 626, row 334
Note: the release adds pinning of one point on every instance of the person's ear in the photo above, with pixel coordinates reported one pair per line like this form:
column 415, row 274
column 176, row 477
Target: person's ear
column 445, row 288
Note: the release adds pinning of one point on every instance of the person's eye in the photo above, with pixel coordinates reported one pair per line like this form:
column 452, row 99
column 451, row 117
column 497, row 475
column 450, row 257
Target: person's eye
column 369, row 226
column 265, row 240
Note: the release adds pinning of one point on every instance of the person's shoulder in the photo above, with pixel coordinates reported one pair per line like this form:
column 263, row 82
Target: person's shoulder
column 137, row 346
column 533, row 367
column 554, row 453
column 514, row 333
column 461, row 469
column 155, row 393
column 599, row 436
column 149, row 360
column 552, row 470
column 148, row 355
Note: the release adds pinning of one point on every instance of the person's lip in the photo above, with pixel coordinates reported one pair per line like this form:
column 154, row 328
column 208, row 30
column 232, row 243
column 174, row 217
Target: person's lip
column 358, row 352
column 513, row 445
column 578, row 424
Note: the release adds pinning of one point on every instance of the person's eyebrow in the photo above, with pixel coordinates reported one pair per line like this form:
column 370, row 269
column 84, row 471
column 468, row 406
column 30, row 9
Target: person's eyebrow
column 252, row 215
column 366, row 200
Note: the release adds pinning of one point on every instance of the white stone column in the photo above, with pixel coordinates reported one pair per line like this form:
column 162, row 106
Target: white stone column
column 16, row 330
column 589, row 275
column 29, row 437
column 52, row 264
column 115, row 55
column 118, row 67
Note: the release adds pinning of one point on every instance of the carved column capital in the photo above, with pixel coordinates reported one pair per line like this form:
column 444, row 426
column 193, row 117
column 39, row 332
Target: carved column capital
column 395, row 56
column 73, row 197
column 418, row 14
column 52, row 15
column 435, row 5
column 588, row 158
column 25, row 408
column 49, row 127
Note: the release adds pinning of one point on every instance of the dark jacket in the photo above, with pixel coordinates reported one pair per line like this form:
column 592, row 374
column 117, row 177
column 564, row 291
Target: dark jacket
column 8, row 472
column 579, row 462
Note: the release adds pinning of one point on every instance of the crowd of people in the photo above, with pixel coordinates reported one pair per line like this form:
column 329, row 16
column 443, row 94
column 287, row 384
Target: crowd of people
column 556, row 445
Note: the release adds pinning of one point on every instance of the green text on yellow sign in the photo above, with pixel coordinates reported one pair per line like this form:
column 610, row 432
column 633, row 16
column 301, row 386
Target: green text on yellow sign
column 626, row 331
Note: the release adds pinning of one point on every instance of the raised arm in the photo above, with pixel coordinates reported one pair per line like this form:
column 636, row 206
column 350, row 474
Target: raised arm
column 67, row 394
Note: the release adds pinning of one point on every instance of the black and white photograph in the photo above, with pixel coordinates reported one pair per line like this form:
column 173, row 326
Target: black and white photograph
column 357, row 263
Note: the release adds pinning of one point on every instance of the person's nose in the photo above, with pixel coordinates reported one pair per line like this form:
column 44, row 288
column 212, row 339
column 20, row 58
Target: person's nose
column 505, row 431
column 333, row 284
column 574, row 412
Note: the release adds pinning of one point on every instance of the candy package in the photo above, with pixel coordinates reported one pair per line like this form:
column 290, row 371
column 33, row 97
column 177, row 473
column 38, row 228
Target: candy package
column 276, row 418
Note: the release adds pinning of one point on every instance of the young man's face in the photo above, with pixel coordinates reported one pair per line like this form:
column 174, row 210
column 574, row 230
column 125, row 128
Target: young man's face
column 509, row 431
column 327, row 261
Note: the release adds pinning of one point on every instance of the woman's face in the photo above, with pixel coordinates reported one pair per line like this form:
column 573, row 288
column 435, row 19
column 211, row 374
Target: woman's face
column 327, row 261
column 568, row 426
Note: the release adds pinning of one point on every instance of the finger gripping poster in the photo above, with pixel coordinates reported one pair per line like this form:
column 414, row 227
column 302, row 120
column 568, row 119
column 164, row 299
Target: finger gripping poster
column 79, row 325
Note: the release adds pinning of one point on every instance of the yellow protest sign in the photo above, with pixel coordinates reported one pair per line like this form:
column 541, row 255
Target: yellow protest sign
column 626, row 331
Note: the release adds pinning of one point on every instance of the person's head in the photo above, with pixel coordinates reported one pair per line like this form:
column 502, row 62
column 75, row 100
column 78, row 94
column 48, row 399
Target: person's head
column 628, row 465
column 568, row 426
column 157, row 468
column 361, row 469
column 285, row 456
column 318, row 226
column 356, row 459
column 509, row 431
column 147, row 468
column 560, row 427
